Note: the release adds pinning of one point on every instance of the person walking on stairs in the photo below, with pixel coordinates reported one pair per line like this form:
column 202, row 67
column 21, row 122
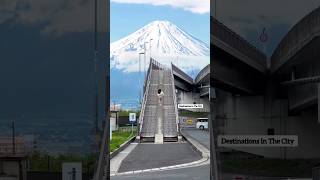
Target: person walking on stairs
column 160, row 96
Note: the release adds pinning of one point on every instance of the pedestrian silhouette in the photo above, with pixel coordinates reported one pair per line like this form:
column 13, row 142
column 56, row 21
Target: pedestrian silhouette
column 160, row 95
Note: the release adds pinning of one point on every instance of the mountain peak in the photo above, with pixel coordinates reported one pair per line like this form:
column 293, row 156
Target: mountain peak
column 164, row 22
column 162, row 37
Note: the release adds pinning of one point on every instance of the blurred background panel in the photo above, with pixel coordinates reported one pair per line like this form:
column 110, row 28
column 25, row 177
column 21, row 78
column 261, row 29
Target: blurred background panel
column 50, row 94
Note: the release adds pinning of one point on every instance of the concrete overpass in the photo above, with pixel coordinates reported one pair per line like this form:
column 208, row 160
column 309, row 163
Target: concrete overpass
column 251, row 98
column 239, row 67
column 181, row 80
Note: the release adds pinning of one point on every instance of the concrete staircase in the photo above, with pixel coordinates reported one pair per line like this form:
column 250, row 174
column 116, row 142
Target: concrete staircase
column 158, row 122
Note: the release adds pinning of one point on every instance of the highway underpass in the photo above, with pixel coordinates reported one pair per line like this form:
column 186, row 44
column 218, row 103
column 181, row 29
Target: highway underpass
column 252, row 98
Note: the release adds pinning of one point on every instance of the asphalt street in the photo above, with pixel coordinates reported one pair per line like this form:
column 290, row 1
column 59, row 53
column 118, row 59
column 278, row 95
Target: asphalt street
column 146, row 156
column 194, row 173
column 150, row 160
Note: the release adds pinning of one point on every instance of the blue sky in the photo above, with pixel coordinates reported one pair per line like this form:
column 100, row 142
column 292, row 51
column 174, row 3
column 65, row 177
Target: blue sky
column 126, row 18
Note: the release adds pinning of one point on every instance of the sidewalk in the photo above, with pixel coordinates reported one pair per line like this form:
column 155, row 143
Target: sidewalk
column 116, row 161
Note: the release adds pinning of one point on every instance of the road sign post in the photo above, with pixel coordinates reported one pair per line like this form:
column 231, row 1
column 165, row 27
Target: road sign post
column 71, row 171
column 132, row 119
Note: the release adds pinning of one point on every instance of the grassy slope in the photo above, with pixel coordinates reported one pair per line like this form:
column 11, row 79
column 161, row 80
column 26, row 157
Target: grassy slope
column 119, row 137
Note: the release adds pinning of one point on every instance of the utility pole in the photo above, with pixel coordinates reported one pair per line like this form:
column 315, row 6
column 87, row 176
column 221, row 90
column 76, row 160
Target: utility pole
column 13, row 138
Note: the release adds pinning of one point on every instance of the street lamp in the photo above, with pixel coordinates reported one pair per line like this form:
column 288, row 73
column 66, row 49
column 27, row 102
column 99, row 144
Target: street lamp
column 145, row 53
column 150, row 47
column 142, row 53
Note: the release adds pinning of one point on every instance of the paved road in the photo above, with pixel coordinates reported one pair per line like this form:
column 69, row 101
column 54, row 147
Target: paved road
column 194, row 173
column 201, row 136
column 146, row 156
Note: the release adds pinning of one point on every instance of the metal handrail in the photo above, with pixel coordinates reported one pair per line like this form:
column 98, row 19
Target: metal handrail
column 175, row 100
column 159, row 65
column 145, row 80
column 145, row 96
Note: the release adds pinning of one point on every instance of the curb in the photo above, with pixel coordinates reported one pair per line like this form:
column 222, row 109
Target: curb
column 201, row 149
column 122, row 147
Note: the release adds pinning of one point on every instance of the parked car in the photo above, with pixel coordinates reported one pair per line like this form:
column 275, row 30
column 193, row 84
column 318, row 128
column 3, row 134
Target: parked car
column 202, row 123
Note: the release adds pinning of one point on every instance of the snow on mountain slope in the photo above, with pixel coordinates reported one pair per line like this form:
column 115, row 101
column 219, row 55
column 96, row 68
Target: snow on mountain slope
column 168, row 43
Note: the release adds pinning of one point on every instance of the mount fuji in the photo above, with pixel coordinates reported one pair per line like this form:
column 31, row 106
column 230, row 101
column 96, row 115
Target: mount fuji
column 163, row 41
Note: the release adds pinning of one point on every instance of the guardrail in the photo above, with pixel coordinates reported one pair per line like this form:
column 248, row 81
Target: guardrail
column 301, row 33
column 183, row 74
column 202, row 73
column 229, row 37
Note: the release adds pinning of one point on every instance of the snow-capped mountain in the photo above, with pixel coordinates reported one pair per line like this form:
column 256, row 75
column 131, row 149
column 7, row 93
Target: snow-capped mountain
column 164, row 40
column 166, row 37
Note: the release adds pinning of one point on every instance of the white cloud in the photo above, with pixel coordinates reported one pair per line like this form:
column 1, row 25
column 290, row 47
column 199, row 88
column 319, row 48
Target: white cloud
column 129, row 62
column 195, row 6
